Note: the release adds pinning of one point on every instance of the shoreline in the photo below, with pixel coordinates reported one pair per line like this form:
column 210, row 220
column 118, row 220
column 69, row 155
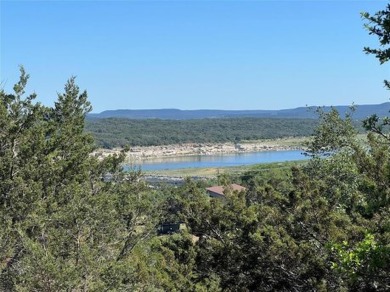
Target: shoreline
column 138, row 153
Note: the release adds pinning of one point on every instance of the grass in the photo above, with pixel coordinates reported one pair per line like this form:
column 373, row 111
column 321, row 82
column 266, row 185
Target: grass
column 213, row 172
column 284, row 142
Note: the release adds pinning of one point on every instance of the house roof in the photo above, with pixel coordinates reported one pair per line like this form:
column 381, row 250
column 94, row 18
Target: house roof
column 220, row 189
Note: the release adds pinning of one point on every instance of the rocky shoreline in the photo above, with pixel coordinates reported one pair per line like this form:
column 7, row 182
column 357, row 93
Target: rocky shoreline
column 191, row 149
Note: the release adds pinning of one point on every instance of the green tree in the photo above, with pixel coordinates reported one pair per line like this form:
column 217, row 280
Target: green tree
column 70, row 221
column 378, row 25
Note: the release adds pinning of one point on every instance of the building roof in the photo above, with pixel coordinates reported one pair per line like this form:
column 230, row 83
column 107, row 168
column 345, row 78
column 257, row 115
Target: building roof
column 220, row 189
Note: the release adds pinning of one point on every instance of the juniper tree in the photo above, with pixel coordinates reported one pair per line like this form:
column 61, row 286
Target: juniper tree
column 63, row 226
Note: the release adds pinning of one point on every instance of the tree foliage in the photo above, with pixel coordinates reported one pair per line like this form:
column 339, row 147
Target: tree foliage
column 65, row 226
column 116, row 132
column 378, row 25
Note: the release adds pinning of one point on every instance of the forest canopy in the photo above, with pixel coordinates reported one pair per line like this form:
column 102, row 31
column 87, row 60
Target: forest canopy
column 113, row 132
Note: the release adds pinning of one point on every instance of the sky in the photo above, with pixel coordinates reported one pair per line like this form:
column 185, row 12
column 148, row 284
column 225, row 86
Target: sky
column 194, row 54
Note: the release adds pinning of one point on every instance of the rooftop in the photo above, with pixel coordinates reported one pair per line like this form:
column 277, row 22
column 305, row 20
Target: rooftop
column 220, row 189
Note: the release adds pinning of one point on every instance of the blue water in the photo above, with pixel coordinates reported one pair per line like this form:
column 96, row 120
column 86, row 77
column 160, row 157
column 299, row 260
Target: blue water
column 226, row 160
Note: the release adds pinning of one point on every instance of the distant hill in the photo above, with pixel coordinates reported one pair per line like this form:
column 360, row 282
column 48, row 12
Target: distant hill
column 362, row 111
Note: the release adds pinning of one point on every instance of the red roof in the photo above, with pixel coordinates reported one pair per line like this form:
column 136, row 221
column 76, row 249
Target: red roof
column 220, row 189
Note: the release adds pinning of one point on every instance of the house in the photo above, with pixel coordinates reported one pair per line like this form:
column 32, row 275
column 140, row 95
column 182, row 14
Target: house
column 219, row 191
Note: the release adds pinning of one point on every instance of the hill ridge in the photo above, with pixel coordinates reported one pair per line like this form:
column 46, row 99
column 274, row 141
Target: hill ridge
column 362, row 111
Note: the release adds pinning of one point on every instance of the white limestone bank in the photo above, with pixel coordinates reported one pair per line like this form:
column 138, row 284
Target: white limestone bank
column 191, row 149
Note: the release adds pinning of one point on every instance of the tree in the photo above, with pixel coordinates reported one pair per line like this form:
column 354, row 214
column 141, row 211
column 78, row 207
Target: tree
column 64, row 225
column 379, row 26
column 354, row 179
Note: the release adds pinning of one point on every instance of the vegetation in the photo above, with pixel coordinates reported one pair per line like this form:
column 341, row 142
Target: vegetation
column 234, row 172
column 65, row 226
column 72, row 222
column 122, row 132
column 113, row 132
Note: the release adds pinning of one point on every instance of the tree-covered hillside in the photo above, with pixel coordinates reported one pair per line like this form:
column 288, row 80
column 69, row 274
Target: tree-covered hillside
column 110, row 133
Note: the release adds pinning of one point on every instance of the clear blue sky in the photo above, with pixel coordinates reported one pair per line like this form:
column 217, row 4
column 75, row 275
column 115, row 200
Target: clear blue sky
column 194, row 54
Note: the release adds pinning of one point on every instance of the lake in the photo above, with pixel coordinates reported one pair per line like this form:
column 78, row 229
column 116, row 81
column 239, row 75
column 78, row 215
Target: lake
column 215, row 161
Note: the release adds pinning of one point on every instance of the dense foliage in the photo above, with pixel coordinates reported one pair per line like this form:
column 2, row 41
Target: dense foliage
column 68, row 220
column 111, row 133
column 323, row 226
column 74, row 222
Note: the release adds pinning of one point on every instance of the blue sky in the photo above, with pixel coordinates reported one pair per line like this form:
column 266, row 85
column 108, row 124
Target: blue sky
column 194, row 54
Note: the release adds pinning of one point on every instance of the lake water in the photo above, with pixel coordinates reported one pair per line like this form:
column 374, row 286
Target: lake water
column 215, row 161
